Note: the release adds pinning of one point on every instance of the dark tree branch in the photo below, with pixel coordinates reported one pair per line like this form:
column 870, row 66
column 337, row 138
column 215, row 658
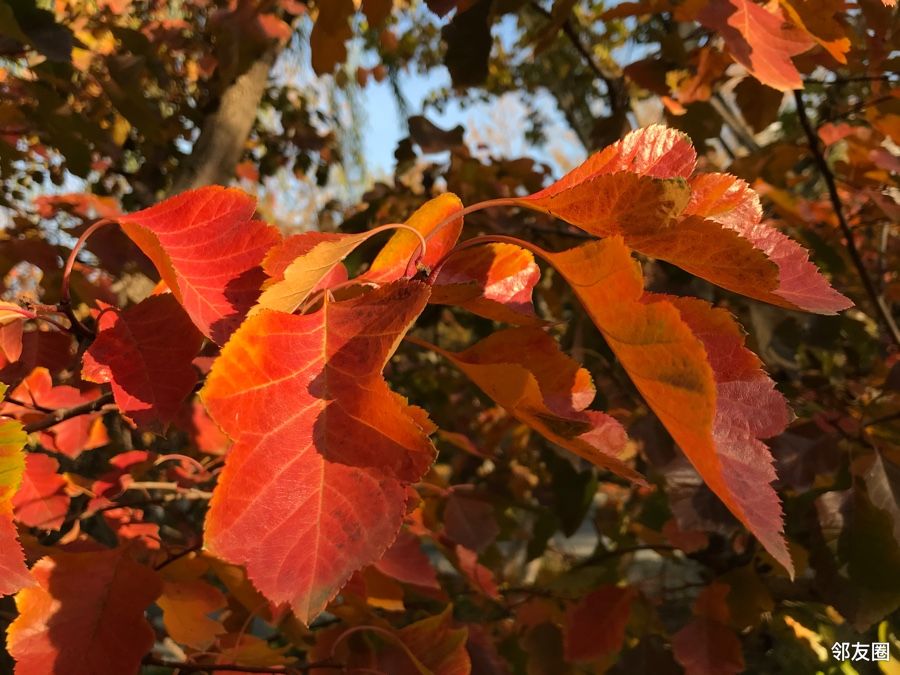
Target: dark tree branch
column 34, row 406
column 884, row 77
column 603, row 556
column 735, row 123
column 881, row 307
column 186, row 667
column 64, row 414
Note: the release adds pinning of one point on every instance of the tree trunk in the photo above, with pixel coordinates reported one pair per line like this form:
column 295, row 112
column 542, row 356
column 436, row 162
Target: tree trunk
column 224, row 133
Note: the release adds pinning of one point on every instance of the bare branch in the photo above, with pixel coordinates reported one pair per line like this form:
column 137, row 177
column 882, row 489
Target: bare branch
column 64, row 414
column 187, row 667
column 881, row 307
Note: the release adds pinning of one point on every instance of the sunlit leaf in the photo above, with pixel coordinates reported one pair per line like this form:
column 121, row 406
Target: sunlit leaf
column 208, row 249
column 320, row 440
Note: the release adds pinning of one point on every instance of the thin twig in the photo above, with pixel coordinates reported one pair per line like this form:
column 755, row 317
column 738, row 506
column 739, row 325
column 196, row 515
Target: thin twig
column 860, row 106
column 624, row 550
column 881, row 420
column 64, row 414
column 884, row 77
column 613, row 85
column 34, row 316
column 877, row 300
column 737, row 126
column 187, row 667
column 33, row 406
column 178, row 556
column 65, row 303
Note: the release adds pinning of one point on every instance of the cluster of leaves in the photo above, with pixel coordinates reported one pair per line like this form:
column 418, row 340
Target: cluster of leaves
column 572, row 468
column 325, row 458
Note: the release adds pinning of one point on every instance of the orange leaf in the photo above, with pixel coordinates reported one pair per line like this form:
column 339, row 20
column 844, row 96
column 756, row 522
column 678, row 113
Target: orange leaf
column 145, row 352
column 208, row 249
column 85, row 617
column 730, row 202
column 759, row 39
column 11, row 337
column 439, row 648
column 654, row 151
column 431, row 646
column 330, row 31
column 318, row 262
column 621, row 203
column 320, row 440
column 524, row 371
column 282, row 255
column 494, row 281
column 689, row 363
column 819, row 19
column 709, row 225
column 392, row 261
column 186, row 604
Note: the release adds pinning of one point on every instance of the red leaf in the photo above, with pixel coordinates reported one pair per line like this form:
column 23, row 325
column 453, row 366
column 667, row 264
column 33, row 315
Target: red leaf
column 470, row 522
column 202, row 431
column 524, row 371
column 299, row 394
column 494, row 281
column 71, row 437
column 86, row 616
column 479, row 576
column 145, row 352
column 759, row 39
column 41, row 500
column 208, row 250
column 706, row 647
column 595, row 627
column 405, row 561
column 690, row 365
column 51, row 350
column 13, row 573
column 129, row 526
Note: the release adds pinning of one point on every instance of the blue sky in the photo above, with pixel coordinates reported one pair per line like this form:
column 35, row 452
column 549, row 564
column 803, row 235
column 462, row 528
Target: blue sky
column 384, row 126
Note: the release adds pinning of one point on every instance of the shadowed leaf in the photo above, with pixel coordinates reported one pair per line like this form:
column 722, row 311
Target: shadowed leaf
column 145, row 353
column 85, row 617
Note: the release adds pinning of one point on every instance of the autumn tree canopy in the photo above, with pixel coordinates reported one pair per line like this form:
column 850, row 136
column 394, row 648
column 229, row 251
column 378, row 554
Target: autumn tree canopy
column 595, row 370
